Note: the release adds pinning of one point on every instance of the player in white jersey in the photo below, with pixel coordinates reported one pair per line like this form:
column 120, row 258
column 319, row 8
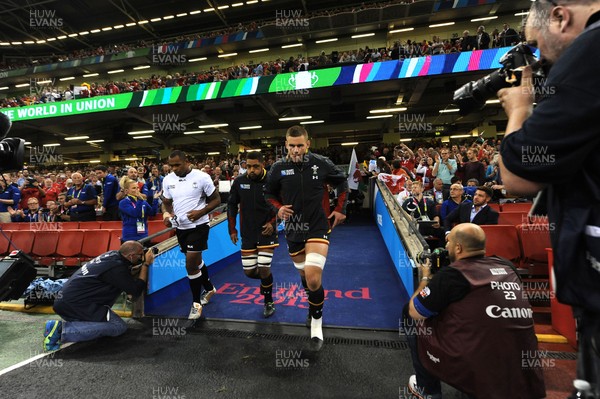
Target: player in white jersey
column 188, row 197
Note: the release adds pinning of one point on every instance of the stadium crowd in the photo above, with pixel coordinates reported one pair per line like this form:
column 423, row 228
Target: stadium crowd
column 47, row 190
column 116, row 48
column 408, row 49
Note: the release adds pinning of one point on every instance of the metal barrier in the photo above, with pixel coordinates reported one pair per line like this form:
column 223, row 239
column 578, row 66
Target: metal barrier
column 406, row 226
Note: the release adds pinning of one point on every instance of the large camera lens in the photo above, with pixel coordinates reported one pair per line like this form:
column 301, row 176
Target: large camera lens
column 472, row 96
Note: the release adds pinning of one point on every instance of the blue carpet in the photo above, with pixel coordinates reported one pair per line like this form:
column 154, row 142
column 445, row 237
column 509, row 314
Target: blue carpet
column 362, row 288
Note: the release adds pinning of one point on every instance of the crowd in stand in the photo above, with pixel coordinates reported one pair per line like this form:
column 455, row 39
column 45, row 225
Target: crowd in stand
column 430, row 182
column 126, row 47
column 407, row 49
column 52, row 187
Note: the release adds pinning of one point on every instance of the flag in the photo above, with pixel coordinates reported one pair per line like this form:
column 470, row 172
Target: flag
column 354, row 175
column 394, row 182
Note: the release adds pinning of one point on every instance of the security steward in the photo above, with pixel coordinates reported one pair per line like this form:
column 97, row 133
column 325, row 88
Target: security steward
column 257, row 225
column 471, row 326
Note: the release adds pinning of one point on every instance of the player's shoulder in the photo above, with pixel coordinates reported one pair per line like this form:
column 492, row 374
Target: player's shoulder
column 318, row 158
column 169, row 177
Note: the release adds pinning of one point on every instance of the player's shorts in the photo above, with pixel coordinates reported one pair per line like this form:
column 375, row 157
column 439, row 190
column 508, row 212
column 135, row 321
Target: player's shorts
column 296, row 248
column 260, row 242
column 193, row 240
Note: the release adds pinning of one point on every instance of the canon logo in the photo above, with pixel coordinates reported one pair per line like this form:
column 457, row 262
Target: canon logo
column 496, row 312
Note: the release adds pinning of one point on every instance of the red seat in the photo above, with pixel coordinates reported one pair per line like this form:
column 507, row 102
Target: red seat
column 23, row 240
column 154, row 226
column 44, row 246
column 496, row 207
column 514, row 218
column 517, row 207
column 69, row 247
column 4, row 241
column 95, row 243
column 9, row 226
column 110, row 225
column 535, row 238
column 90, row 225
column 502, row 240
column 69, row 225
column 115, row 239
column 23, row 225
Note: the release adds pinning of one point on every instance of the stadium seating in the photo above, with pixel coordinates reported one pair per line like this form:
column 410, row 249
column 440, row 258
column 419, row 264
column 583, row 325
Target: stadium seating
column 23, row 240
column 68, row 243
column 95, row 242
column 92, row 225
column 117, row 224
column 517, row 207
column 496, row 207
column 154, row 226
column 513, row 218
column 115, row 239
column 502, row 240
column 44, row 246
column 5, row 236
column 69, row 247
column 534, row 238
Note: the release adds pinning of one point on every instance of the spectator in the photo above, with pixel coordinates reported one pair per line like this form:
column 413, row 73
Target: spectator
column 508, row 36
column 32, row 214
column 9, row 198
column 456, row 198
column 110, row 188
column 483, row 38
column 82, row 200
column 477, row 212
column 444, row 167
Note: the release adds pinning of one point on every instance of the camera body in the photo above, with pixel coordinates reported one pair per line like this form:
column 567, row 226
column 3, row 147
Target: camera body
column 439, row 258
column 30, row 182
column 473, row 95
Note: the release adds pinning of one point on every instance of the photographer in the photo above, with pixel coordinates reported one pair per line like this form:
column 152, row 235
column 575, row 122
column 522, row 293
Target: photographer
column 563, row 125
column 470, row 324
column 86, row 299
column 423, row 210
column 31, row 189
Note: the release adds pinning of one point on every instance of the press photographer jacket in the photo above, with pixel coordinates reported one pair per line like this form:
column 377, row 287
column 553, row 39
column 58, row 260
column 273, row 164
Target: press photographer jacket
column 484, row 344
column 303, row 185
column 95, row 287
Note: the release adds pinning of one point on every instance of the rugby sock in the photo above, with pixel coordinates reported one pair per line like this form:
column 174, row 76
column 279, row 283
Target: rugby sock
column 304, row 284
column 196, row 286
column 266, row 288
column 315, row 302
column 205, row 279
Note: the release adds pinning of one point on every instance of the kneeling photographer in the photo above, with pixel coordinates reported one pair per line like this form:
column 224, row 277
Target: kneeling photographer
column 423, row 210
column 475, row 326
